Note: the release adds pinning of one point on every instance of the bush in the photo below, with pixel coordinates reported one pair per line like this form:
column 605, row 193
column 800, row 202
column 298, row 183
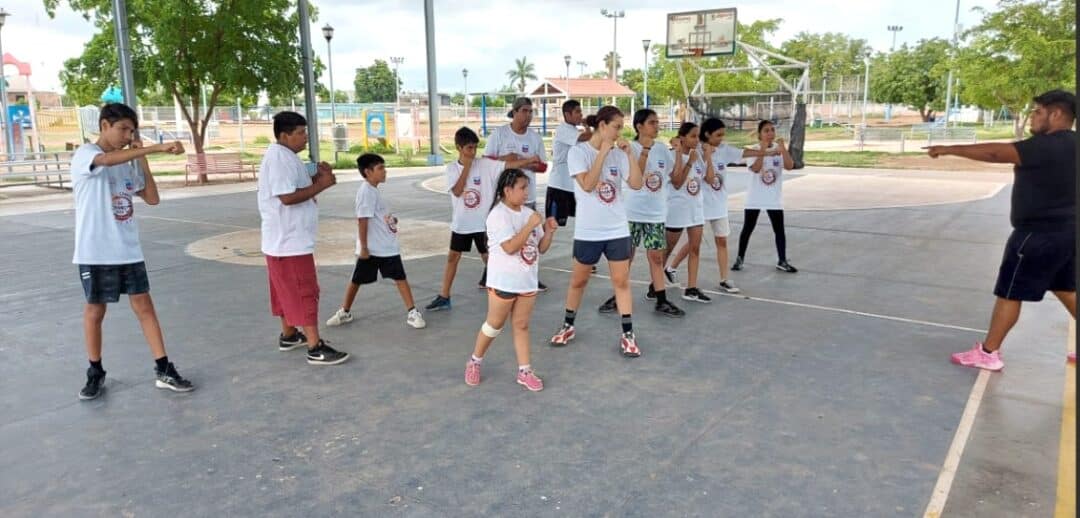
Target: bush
column 262, row 139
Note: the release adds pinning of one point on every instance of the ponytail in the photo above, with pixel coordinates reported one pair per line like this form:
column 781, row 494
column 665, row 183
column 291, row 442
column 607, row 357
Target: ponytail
column 507, row 179
column 640, row 117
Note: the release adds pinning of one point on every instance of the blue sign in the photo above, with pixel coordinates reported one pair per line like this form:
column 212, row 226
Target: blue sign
column 19, row 115
column 376, row 124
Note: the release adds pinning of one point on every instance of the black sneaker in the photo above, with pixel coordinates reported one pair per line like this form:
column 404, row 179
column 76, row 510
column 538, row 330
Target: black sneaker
column 696, row 295
column 669, row 310
column 609, row 306
column 738, row 264
column 323, row 354
column 670, row 274
column 439, row 303
column 541, row 286
column 95, row 384
column 170, row 379
column 651, row 294
column 785, row 267
column 594, row 269
column 296, row 340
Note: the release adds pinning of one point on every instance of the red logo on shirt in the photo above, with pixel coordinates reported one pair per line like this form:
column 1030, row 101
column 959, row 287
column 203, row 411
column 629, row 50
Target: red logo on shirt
column 693, row 187
column 768, row 177
column 391, row 223
column 530, row 253
column 122, row 208
column 471, row 198
column 654, row 182
column 606, row 191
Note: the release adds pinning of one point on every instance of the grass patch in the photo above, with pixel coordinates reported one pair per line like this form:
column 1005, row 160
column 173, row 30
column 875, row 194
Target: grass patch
column 851, row 158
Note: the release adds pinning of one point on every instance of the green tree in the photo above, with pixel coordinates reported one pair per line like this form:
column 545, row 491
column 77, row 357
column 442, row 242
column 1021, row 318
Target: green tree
column 523, row 71
column 608, row 72
column 914, row 76
column 186, row 47
column 827, row 53
column 1017, row 52
column 339, row 95
column 376, row 83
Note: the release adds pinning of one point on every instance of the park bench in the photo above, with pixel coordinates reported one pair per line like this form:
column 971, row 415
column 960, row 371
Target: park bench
column 42, row 169
column 217, row 163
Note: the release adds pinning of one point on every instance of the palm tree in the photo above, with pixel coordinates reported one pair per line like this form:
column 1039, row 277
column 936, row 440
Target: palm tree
column 607, row 64
column 522, row 71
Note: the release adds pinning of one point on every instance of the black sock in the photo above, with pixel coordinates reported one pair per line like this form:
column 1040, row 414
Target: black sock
column 985, row 350
column 162, row 363
column 97, row 365
column 661, row 296
column 411, row 308
column 483, row 278
column 627, row 324
column 570, row 316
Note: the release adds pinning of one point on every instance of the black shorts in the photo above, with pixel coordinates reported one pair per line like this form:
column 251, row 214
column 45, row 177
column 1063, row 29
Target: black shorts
column 463, row 242
column 588, row 252
column 1037, row 262
column 559, row 204
column 103, row 283
column 368, row 270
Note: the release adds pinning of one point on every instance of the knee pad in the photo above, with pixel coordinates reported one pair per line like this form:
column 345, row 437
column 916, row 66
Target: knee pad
column 489, row 331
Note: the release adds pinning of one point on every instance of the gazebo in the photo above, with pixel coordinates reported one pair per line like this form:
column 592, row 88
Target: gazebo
column 562, row 89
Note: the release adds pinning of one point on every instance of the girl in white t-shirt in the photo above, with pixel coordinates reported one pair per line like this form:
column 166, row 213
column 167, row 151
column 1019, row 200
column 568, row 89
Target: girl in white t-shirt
column 685, row 206
column 601, row 226
column 516, row 239
column 766, row 193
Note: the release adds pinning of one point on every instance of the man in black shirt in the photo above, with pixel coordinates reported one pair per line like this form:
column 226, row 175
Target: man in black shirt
column 1040, row 253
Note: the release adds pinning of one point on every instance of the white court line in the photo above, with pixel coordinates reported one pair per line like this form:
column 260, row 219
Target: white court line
column 191, row 222
column 812, row 306
column 956, row 449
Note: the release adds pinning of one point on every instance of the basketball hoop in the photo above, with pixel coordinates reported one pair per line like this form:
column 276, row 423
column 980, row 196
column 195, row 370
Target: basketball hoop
column 696, row 52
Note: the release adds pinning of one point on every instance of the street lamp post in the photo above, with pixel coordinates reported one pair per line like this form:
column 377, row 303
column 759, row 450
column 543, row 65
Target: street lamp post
column 566, row 59
column 328, row 33
column 397, row 61
column 465, row 76
column 948, row 84
column 893, row 29
column 866, row 87
column 614, row 15
column 581, row 65
column 9, row 138
column 645, row 97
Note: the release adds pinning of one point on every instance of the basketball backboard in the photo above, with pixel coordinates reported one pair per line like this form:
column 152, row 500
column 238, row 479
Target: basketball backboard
column 701, row 33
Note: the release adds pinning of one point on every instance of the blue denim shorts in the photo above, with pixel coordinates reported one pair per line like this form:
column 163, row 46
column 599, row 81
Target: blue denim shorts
column 103, row 283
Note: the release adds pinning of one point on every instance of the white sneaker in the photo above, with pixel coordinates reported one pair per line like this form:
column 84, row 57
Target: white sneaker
column 729, row 287
column 416, row 319
column 341, row 317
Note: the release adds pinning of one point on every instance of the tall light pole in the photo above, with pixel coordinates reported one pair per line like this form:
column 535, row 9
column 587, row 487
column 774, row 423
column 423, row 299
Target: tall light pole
column 328, row 33
column 397, row 61
column 866, row 87
column 9, row 138
column 948, row 87
column 894, row 29
column 614, row 15
column 582, row 66
column 645, row 45
column 465, row 75
column 566, row 59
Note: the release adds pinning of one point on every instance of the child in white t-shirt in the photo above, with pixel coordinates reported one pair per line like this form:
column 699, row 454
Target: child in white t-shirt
column 377, row 249
column 766, row 193
column 517, row 240
column 106, row 176
column 685, row 207
column 470, row 180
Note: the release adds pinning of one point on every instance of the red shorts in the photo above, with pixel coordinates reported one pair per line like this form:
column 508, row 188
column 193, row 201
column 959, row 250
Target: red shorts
column 294, row 289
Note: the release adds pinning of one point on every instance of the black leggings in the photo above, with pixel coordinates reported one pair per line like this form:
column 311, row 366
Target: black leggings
column 776, row 217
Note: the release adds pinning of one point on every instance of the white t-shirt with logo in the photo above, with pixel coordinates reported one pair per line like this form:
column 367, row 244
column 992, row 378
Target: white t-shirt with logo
column 685, row 207
column 105, row 228
column 382, row 227
column 504, row 141
column 287, row 230
column 471, row 208
column 517, row 272
column 716, row 194
column 566, row 136
column 649, row 204
column 766, row 190
column 601, row 214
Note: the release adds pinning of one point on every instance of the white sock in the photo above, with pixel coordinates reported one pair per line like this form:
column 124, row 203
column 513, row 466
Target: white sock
column 476, row 360
column 524, row 368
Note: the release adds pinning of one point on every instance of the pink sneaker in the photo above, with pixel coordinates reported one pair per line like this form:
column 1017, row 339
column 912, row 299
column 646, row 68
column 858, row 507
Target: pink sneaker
column 1071, row 357
column 472, row 373
column 530, row 381
column 628, row 345
column 564, row 335
column 976, row 357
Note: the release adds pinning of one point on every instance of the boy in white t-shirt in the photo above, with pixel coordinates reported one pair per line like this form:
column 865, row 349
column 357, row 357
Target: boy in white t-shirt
column 290, row 224
column 106, row 176
column 471, row 183
column 377, row 248
column 518, row 237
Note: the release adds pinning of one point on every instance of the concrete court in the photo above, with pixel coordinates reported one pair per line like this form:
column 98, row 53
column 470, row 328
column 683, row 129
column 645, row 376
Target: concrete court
column 829, row 393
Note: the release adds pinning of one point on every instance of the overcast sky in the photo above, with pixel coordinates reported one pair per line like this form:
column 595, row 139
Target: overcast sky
column 487, row 36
